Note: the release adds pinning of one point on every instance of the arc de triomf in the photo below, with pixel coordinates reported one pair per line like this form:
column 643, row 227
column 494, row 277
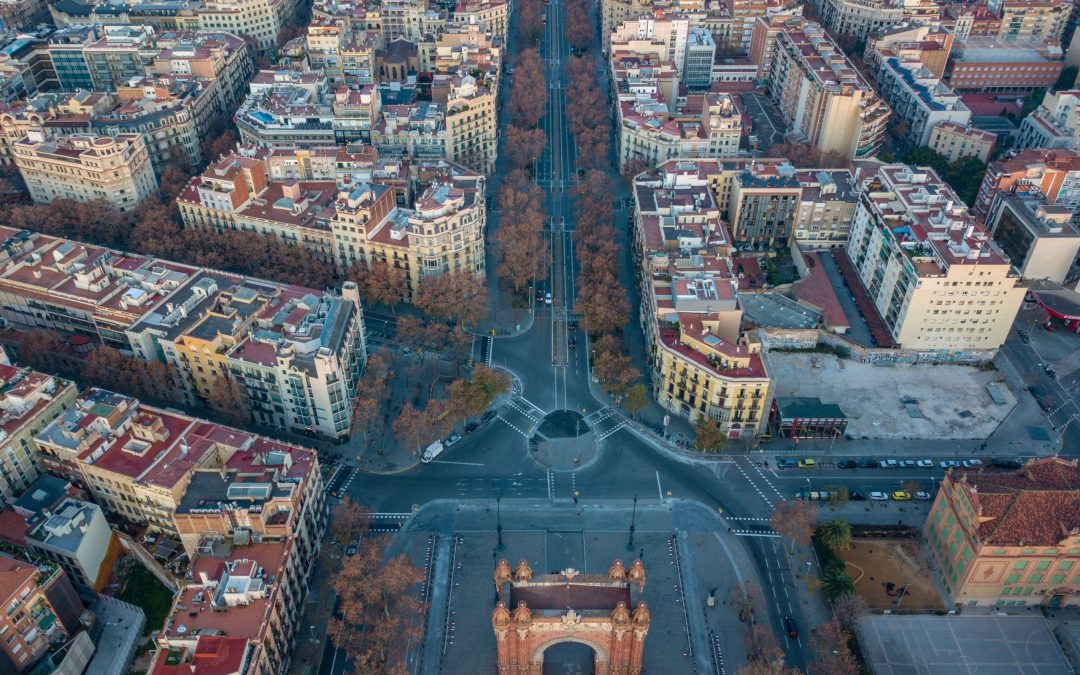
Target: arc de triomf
column 602, row 611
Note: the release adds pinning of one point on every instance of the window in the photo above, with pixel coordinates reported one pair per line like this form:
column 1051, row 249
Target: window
column 1012, row 578
column 1042, row 565
column 1020, row 564
column 1036, row 579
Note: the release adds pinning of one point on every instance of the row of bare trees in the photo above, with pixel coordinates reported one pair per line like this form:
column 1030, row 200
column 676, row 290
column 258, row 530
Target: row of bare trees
column 579, row 28
column 601, row 299
column 381, row 615
column 528, row 93
column 529, row 22
column 522, row 252
column 587, row 113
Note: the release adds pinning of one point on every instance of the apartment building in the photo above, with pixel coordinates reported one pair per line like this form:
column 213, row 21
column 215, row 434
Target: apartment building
column 491, row 17
column 1041, row 239
column 1007, row 539
column 701, row 363
column 971, row 18
column 919, row 101
column 235, row 193
column 955, row 141
column 211, row 55
column 1000, row 65
column 939, row 281
column 861, row 18
column 86, row 167
column 1055, row 174
column 827, row 207
column 260, row 20
column 764, row 205
column 119, row 54
column 471, row 118
column 1054, row 124
column 930, row 44
column 660, row 34
column 1027, row 19
column 42, row 611
column 154, row 466
column 285, row 110
column 416, row 130
column 821, row 96
column 75, row 535
column 28, row 401
column 656, row 125
column 443, row 232
column 22, row 14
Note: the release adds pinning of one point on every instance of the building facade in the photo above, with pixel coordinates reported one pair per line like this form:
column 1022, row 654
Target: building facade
column 86, row 168
column 1041, row 239
column 955, row 141
column 1007, row 539
column 937, row 278
column 29, row 401
column 1055, row 174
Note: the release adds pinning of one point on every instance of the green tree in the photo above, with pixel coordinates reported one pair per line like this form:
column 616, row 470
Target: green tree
column 964, row 176
column 709, row 435
column 836, row 582
column 836, row 534
column 930, row 158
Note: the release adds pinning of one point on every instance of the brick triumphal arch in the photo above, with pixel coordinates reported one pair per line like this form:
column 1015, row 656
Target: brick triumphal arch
column 601, row 611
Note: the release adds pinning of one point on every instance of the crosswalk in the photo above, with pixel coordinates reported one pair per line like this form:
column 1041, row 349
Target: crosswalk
column 605, row 422
column 387, row 522
column 521, row 415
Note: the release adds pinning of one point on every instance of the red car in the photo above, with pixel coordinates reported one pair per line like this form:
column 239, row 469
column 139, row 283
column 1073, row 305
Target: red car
column 791, row 627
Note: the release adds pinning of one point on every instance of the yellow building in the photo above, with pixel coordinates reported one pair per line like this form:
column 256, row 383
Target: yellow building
column 702, row 363
column 261, row 20
column 471, row 133
column 1001, row 539
column 85, row 168
column 955, row 141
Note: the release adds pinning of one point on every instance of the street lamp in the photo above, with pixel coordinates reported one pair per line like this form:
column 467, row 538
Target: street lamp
column 633, row 518
column 498, row 515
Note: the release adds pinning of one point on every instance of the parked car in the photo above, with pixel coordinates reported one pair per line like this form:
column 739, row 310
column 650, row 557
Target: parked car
column 471, row 427
column 889, row 464
column 846, row 464
column 907, row 463
column 785, row 462
column 901, row 495
column 547, row 298
column 488, row 416
column 351, row 550
column 878, row 496
column 791, row 627
column 868, row 463
column 807, row 463
column 972, row 463
column 802, row 494
column 1007, row 464
column 925, row 464
column 453, row 438
column 857, row 497
column 949, row 464
column 572, row 344
column 922, row 496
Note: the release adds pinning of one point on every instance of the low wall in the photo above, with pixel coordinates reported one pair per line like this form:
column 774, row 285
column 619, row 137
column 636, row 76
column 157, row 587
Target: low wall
column 809, row 339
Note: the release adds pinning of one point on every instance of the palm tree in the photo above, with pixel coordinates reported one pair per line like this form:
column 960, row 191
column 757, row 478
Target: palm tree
column 836, row 534
column 835, row 582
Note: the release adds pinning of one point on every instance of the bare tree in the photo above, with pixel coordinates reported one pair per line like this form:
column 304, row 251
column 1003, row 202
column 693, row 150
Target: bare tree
column 349, row 520
column 833, row 656
column 746, row 597
column 380, row 613
column 796, row 520
column 848, row 609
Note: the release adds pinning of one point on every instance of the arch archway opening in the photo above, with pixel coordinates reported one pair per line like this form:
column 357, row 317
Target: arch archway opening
column 569, row 658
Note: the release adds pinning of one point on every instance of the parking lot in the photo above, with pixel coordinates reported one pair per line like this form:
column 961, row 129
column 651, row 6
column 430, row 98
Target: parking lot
column 766, row 121
column 909, row 401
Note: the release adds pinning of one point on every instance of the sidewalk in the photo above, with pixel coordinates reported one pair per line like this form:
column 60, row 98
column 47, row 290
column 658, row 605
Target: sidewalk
column 307, row 656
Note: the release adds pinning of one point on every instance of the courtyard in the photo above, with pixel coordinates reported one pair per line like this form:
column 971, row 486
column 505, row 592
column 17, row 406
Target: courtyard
column 900, row 402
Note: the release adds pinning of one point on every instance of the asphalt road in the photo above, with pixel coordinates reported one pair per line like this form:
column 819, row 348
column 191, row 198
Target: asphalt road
column 496, row 459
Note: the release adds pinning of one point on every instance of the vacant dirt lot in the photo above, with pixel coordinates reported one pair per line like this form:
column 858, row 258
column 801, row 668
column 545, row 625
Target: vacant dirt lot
column 876, row 563
column 952, row 400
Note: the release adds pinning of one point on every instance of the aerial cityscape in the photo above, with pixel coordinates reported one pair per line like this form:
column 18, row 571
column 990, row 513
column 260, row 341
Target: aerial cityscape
column 539, row 337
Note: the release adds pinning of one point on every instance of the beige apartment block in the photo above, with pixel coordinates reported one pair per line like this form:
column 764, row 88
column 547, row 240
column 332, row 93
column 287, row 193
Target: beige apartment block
column 937, row 278
column 261, row 20
column 820, row 94
column 85, row 168
column 955, row 141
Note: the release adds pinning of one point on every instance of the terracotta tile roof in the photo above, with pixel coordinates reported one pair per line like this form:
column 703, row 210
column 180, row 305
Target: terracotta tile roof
column 1037, row 505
